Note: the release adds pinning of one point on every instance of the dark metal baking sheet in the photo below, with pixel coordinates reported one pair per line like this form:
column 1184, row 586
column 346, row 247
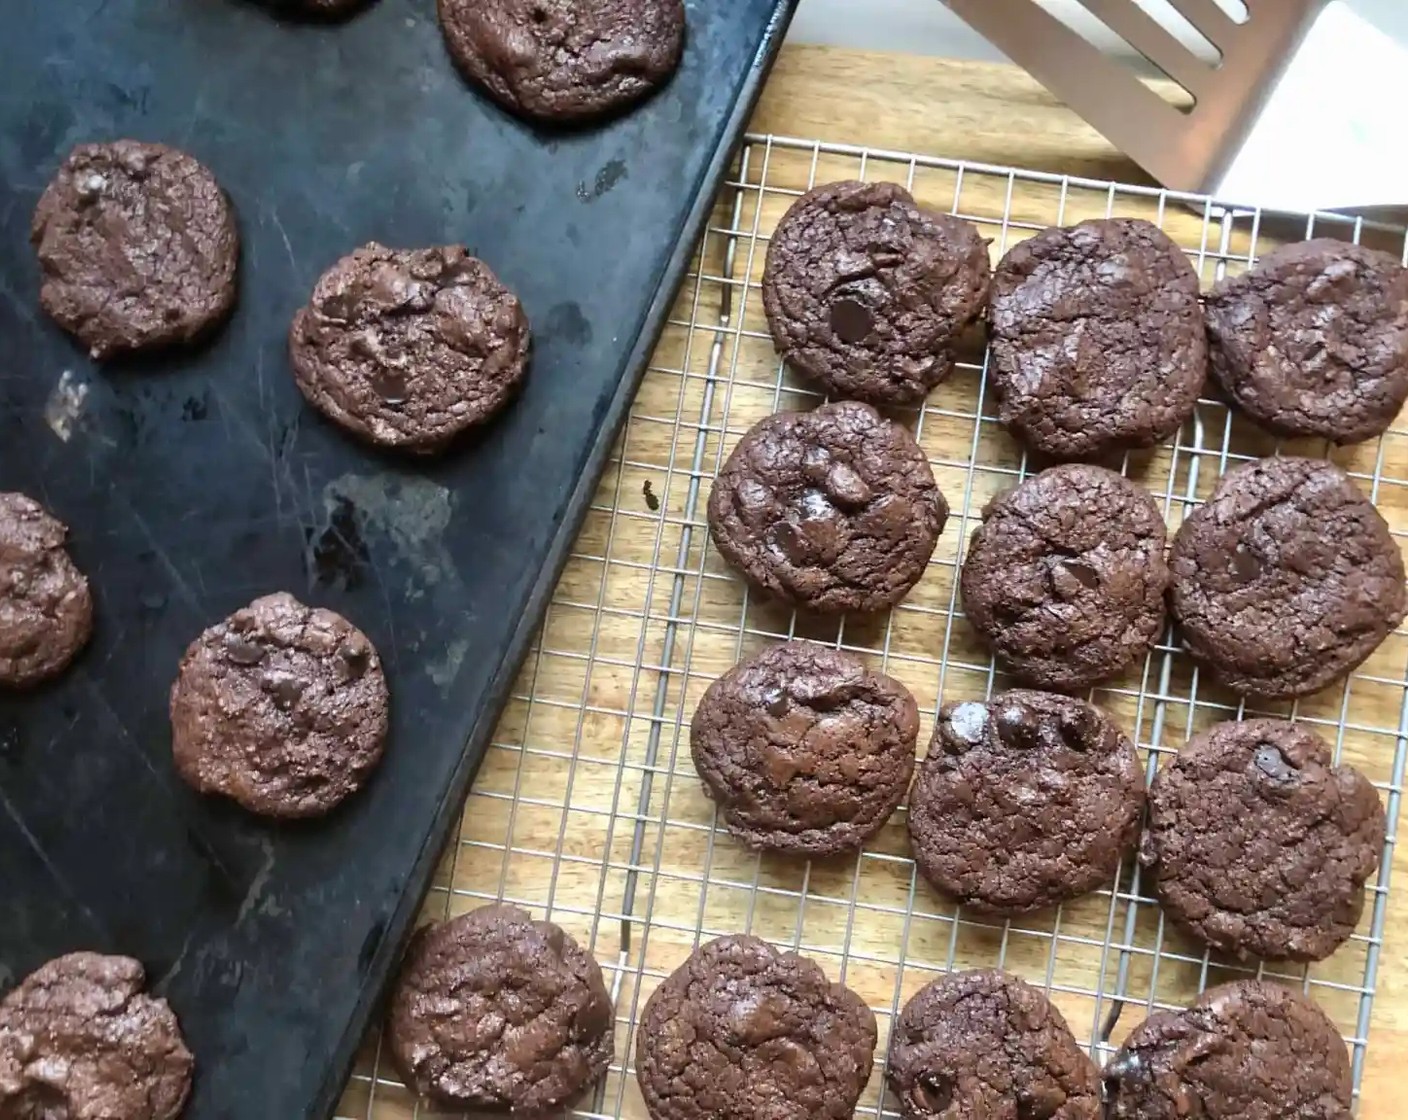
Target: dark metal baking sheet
column 197, row 481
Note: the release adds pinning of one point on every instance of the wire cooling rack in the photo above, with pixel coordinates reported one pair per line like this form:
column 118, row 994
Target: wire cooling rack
column 587, row 809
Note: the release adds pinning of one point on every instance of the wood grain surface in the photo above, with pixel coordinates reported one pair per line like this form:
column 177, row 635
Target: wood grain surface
column 587, row 808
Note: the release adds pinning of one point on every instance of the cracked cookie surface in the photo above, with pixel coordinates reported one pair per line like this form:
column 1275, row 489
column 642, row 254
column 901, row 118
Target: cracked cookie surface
column 137, row 247
column 46, row 608
column 1066, row 575
column 1313, row 341
column 281, row 707
column 564, row 60
column 867, row 292
column 408, row 348
column 1248, row 1050
column 831, row 510
column 497, row 1012
column 986, row 1045
column 1259, row 845
column 1286, row 578
column 80, row 1039
column 744, row 1031
column 1024, row 801
column 1098, row 342
column 804, row 749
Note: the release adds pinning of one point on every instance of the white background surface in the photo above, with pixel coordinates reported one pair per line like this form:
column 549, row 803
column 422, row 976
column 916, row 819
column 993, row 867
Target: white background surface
column 927, row 27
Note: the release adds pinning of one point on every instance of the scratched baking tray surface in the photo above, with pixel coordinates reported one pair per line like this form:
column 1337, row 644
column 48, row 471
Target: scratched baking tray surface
column 198, row 481
column 587, row 808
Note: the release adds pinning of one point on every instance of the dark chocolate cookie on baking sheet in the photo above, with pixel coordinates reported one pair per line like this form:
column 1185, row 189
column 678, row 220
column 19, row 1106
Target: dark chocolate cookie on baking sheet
column 565, row 60
column 408, row 348
column 1259, row 845
column 282, row 707
column 867, row 292
column 1024, row 801
column 984, row 1044
column 137, row 247
column 81, row 1040
column 1313, row 341
column 1097, row 338
column 1248, row 1050
column 1065, row 577
column 804, row 749
column 744, row 1031
column 831, row 510
column 46, row 609
column 495, row 1012
column 1286, row 578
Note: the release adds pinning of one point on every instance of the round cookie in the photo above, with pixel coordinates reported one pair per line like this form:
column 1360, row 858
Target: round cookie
column 1259, row 845
column 1286, row 578
column 281, row 707
column 493, row 1011
column 1313, row 341
column 137, row 247
column 804, row 749
column 1097, row 338
column 1249, row 1050
column 1066, row 575
column 744, row 1031
column 46, row 609
column 564, row 60
column 867, row 292
column 1024, row 801
column 831, row 510
column 79, row 1038
column 975, row 1045
column 408, row 348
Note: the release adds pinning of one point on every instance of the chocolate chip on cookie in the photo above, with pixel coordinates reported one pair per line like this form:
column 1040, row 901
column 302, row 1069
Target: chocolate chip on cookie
column 1286, row 579
column 493, row 1011
column 867, row 292
column 281, row 707
column 831, row 510
column 1066, row 576
column 1313, row 341
column 1024, row 801
column 1098, row 342
column 804, row 749
column 1259, row 844
column 974, row 1045
column 744, row 1031
column 1249, row 1050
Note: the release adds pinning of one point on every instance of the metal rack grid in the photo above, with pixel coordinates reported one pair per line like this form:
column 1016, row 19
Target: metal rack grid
column 587, row 809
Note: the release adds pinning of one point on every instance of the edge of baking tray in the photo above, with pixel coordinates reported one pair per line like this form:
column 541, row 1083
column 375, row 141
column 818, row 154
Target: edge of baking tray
column 334, row 1078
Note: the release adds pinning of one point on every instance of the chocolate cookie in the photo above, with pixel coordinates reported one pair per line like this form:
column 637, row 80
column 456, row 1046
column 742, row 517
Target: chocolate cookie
column 46, row 610
column 867, row 292
column 409, row 347
column 79, row 1040
column 1286, row 579
column 986, row 1044
column 564, row 60
column 496, row 1012
column 1314, row 340
column 804, row 749
column 743, row 1031
column 1065, row 577
column 1259, row 845
column 137, row 246
column 1249, row 1050
column 832, row 510
column 281, row 707
column 1097, row 338
column 1024, row 801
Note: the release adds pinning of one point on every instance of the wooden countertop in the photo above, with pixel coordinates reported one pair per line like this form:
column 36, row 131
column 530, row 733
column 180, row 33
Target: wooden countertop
column 551, row 818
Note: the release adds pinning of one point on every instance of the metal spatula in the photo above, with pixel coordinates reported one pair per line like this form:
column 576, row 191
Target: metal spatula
column 1303, row 111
